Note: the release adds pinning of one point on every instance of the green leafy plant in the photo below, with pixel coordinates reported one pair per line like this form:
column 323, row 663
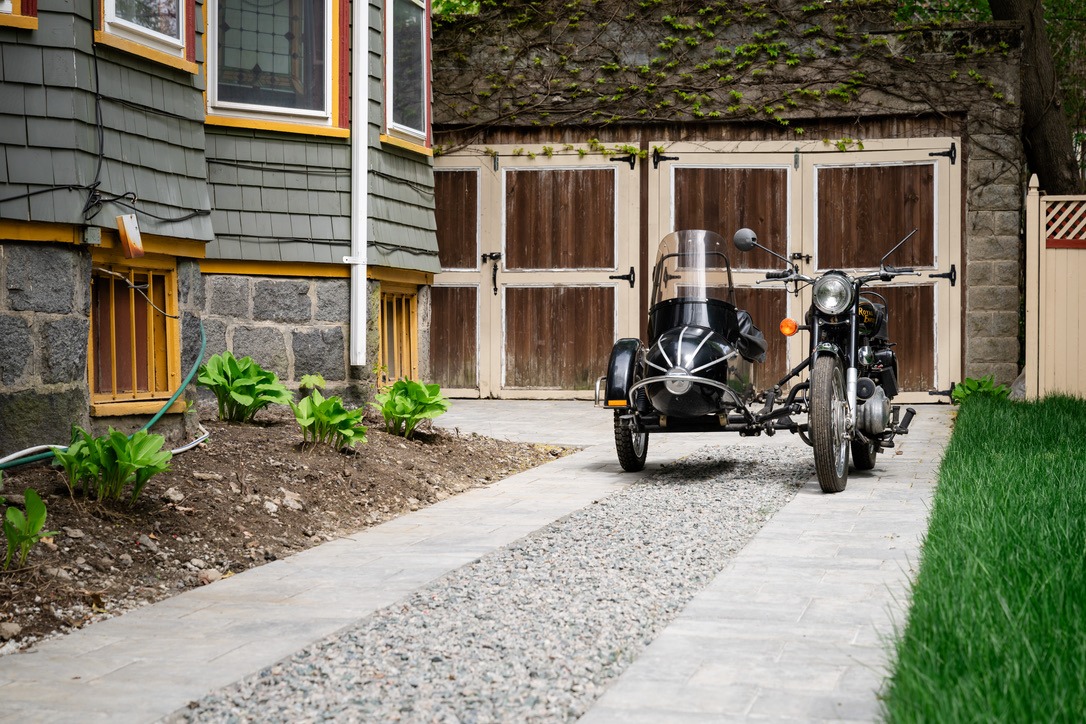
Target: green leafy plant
column 106, row 466
column 325, row 420
column 241, row 386
column 984, row 387
column 24, row 530
column 407, row 403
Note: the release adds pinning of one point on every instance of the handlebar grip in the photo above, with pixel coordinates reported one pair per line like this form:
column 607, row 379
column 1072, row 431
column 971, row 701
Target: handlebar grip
column 777, row 274
column 899, row 270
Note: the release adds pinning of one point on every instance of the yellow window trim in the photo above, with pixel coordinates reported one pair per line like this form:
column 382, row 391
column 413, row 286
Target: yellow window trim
column 399, row 276
column 280, row 126
column 408, row 145
column 274, row 268
column 142, row 407
column 104, row 38
column 14, row 20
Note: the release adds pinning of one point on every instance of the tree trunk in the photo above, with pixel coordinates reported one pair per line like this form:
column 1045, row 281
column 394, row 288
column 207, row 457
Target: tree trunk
column 1047, row 134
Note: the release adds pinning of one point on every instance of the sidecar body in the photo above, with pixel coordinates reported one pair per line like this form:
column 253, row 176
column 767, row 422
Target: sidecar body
column 694, row 373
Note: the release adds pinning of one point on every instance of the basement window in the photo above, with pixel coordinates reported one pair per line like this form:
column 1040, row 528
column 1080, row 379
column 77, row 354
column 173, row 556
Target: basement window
column 134, row 336
column 398, row 323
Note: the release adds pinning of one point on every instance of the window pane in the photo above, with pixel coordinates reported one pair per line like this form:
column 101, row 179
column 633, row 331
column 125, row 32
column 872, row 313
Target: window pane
column 272, row 53
column 408, row 65
column 160, row 16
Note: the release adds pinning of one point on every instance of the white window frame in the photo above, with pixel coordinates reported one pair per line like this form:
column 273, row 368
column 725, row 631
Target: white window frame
column 406, row 132
column 6, row 7
column 127, row 30
column 215, row 106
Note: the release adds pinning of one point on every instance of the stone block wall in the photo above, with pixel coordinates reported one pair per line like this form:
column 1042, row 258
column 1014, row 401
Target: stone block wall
column 44, row 327
column 291, row 326
column 994, row 245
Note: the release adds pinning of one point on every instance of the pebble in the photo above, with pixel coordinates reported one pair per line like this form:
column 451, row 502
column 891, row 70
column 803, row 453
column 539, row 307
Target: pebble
column 173, row 495
column 9, row 630
column 536, row 630
column 146, row 542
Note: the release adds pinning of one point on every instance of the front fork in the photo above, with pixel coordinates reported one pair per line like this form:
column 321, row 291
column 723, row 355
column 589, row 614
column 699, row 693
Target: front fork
column 848, row 356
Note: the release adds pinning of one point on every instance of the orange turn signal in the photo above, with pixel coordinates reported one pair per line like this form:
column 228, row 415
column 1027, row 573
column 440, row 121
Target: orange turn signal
column 789, row 326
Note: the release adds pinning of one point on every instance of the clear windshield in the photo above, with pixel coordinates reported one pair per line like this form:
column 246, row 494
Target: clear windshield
column 692, row 264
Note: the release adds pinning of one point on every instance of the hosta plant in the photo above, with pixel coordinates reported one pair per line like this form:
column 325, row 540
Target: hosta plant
column 23, row 530
column 107, row 466
column 407, row 403
column 241, row 386
column 325, row 420
column 985, row 387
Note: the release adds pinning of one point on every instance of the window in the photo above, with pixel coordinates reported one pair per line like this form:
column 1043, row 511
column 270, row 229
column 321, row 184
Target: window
column 398, row 329
column 162, row 30
column 19, row 14
column 407, row 86
column 274, row 59
column 135, row 336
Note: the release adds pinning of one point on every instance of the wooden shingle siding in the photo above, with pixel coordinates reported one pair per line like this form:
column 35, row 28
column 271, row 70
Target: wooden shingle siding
column 152, row 121
column 279, row 198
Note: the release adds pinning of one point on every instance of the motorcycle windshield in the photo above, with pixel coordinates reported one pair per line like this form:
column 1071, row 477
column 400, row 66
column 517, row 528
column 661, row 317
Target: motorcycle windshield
column 692, row 265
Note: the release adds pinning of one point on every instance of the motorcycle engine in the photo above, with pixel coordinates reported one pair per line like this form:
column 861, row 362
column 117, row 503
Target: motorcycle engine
column 873, row 417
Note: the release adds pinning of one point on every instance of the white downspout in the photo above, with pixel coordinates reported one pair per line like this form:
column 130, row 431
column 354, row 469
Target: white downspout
column 360, row 163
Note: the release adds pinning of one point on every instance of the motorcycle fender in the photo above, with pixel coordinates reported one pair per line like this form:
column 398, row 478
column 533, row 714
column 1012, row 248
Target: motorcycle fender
column 621, row 369
column 828, row 348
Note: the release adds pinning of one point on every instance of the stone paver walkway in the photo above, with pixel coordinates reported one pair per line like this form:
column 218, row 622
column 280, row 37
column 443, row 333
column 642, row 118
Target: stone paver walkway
column 794, row 628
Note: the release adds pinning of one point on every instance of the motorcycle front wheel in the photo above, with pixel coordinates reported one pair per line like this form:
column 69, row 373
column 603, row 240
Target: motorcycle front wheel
column 827, row 423
column 632, row 447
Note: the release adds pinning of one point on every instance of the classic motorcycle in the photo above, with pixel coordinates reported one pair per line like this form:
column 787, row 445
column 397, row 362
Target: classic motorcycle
column 853, row 367
column 694, row 375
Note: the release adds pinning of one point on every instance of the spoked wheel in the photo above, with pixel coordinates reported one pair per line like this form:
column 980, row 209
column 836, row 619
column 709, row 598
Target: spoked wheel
column 827, row 424
column 632, row 447
column 863, row 454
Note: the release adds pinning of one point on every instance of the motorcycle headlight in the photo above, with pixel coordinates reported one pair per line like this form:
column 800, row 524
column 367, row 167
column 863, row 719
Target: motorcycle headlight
column 832, row 294
column 677, row 386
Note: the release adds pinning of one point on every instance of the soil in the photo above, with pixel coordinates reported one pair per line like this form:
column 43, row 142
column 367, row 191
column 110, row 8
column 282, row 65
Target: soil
column 248, row 495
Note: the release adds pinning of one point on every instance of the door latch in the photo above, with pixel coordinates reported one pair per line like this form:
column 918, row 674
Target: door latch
column 493, row 257
column 628, row 277
column 952, row 275
column 797, row 256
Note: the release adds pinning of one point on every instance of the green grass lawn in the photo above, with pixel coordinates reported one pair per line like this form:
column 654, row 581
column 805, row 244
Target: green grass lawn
column 997, row 627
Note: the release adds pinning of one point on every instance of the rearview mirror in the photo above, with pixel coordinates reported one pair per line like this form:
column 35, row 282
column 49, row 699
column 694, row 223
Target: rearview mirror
column 745, row 239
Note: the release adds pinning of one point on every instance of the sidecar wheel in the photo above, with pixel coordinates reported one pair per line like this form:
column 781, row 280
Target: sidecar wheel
column 632, row 447
column 863, row 454
column 827, row 424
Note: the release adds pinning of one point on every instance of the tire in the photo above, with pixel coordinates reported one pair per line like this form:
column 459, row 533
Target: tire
column 827, row 423
column 632, row 447
column 863, row 454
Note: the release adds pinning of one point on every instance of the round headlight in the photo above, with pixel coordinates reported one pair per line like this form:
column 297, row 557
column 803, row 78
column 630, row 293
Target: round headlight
column 677, row 386
column 832, row 294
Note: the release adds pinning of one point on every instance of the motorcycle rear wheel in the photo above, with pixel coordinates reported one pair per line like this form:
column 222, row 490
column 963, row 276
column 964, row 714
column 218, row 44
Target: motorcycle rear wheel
column 632, row 447
column 828, row 423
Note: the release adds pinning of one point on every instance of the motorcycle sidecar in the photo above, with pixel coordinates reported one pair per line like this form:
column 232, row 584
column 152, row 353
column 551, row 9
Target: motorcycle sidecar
column 695, row 372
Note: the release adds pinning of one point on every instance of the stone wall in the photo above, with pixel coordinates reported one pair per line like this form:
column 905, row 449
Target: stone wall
column 44, row 326
column 291, row 326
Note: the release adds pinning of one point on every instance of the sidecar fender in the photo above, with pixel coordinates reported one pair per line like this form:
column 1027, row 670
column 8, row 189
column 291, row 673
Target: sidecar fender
column 621, row 370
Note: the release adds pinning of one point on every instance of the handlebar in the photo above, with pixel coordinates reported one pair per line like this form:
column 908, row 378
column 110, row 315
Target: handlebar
column 783, row 274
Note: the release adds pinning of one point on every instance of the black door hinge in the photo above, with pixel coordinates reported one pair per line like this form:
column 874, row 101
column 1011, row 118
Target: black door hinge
column 630, row 159
column 952, row 154
column 952, row 275
column 628, row 277
column 658, row 158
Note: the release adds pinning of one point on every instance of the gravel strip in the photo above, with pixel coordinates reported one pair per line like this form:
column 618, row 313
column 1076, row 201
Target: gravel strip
column 534, row 631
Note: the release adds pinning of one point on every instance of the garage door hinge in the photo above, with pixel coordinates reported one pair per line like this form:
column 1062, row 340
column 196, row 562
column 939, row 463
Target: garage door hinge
column 952, row 154
column 952, row 275
column 658, row 158
column 630, row 159
column 795, row 159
